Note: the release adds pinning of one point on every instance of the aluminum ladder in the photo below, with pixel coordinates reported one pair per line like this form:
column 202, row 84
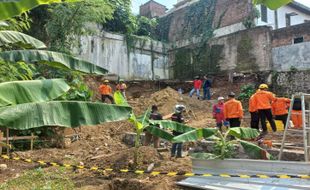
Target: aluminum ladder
column 305, row 106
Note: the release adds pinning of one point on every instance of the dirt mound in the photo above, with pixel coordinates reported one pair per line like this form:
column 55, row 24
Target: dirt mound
column 124, row 159
column 166, row 100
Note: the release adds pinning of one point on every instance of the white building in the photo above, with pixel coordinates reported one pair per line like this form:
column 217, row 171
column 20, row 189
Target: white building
column 288, row 15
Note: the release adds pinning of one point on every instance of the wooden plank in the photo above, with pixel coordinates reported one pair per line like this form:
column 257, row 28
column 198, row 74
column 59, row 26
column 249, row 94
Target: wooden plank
column 7, row 140
column 20, row 138
column 31, row 141
column 1, row 136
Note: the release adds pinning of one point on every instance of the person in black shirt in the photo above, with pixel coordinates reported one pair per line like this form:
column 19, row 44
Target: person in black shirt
column 206, row 88
column 176, row 149
column 148, row 136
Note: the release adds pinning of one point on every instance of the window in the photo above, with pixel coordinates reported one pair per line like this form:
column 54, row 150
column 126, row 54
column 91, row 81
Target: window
column 288, row 20
column 298, row 40
column 263, row 11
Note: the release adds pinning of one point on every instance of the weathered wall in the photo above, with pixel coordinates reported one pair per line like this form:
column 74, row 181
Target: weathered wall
column 245, row 51
column 230, row 12
column 142, row 59
column 285, row 36
column 296, row 56
column 194, row 18
column 152, row 9
column 287, row 83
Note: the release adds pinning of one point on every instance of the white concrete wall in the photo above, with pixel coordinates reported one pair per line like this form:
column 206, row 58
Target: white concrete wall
column 110, row 52
column 295, row 55
column 282, row 11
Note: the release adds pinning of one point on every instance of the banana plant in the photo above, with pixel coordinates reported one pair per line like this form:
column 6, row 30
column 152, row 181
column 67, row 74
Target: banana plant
column 10, row 8
column 224, row 147
column 272, row 4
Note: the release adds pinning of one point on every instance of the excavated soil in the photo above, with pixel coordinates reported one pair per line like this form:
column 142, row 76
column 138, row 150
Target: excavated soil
column 102, row 146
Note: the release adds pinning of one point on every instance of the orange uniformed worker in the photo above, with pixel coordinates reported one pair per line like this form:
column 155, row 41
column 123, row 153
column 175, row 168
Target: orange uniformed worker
column 233, row 111
column 263, row 100
column 280, row 109
column 106, row 91
column 254, row 113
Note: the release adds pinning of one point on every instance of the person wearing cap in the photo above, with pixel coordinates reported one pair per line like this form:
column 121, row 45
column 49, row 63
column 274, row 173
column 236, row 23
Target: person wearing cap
column 254, row 113
column 206, row 88
column 233, row 111
column 177, row 116
column 121, row 86
column 280, row 109
column 106, row 91
column 218, row 113
column 197, row 86
column 263, row 99
column 155, row 115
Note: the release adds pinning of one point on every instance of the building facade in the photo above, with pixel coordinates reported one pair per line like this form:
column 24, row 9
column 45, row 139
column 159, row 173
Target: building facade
column 152, row 9
column 288, row 15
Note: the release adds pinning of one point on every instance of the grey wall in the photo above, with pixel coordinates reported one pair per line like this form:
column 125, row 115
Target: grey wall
column 295, row 55
column 111, row 52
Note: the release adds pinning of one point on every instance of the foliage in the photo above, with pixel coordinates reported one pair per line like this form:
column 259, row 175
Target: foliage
column 40, row 179
column 19, row 92
column 163, row 28
column 272, row 4
column 15, row 71
column 14, row 8
column 10, row 38
column 146, row 26
column 246, row 92
column 123, row 20
column 60, row 113
column 224, row 147
column 18, row 23
column 55, row 59
column 66, row 21
column 249, row 21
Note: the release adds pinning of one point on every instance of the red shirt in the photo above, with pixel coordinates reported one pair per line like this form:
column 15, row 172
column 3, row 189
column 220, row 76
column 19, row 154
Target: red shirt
column 197, row 84
column 218, row 112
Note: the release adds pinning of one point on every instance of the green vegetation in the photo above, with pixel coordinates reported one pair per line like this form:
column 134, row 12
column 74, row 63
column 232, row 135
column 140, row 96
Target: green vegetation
column 225, row 146
column 272, row 4
column 40, row 179
column 249, row 21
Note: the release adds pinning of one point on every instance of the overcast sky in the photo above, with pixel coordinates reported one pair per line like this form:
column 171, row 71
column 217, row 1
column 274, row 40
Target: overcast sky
column 169, row 3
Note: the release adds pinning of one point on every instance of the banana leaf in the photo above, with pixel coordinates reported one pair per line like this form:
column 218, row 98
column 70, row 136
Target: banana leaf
column 254, row 151
column 51, row 58
column 172, row 125
column 243, row 132
column 119, row 99
column 272, row 4
column 144, row 119
column 19, row 39
column 61, row 113
column 19, row 92
column 156, row 131
column 195, row 135
column 2, row 23
column 14, row 8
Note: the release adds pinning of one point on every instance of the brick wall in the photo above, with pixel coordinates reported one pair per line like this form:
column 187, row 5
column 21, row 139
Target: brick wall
column 285, row 36
column 152, row 9
column 230, row 12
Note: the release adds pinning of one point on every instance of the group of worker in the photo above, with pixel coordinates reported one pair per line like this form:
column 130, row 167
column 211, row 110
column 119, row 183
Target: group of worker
column 262, row 105
column 107, row 93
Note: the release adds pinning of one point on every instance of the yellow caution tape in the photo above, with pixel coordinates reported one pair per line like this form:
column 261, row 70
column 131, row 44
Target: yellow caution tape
column 155, row 173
